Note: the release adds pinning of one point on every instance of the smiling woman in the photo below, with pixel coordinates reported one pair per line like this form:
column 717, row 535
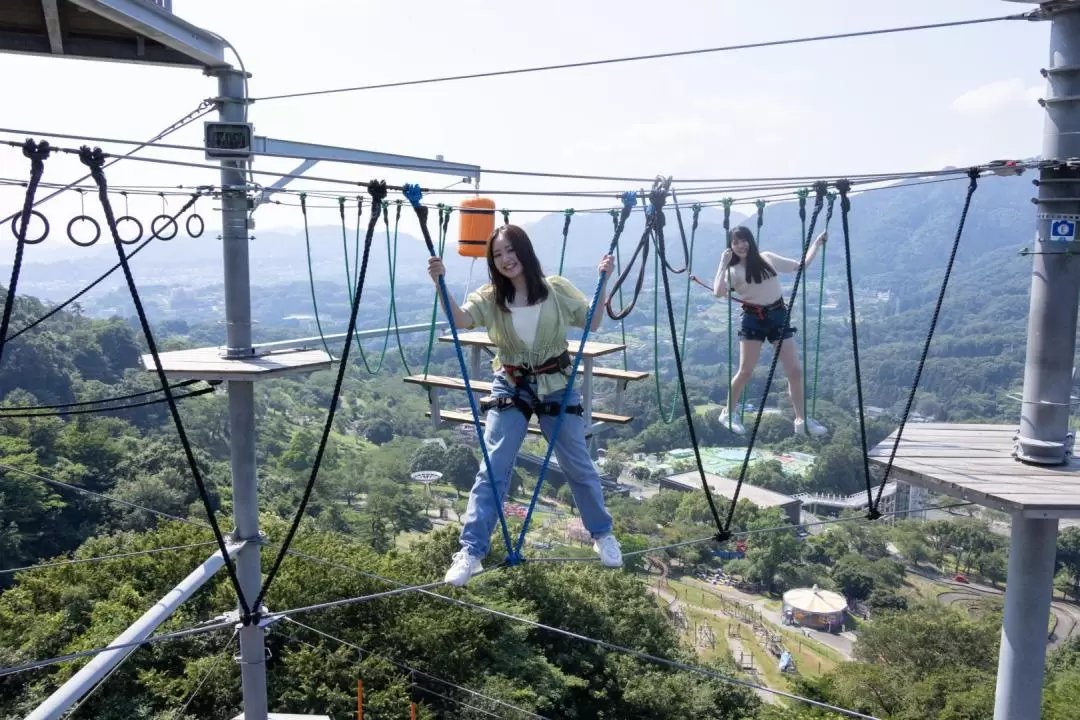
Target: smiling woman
column 527, row 315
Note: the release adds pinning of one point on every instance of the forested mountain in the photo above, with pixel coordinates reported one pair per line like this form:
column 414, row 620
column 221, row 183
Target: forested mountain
column 366, row 515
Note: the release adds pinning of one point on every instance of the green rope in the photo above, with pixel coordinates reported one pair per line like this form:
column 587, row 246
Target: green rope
column 568, row 213
column 820, row 307
column 393, row 283
column 311, row 273
column 803, row 194
column 351, row 281
column 505, row 214
column 444, row 223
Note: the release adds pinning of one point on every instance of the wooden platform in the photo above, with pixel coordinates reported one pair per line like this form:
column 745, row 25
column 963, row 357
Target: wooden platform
column 480, row 339
column 624, row 376
column 975, row 463
column 464, row 417
column 206, row 363
column 483, row 386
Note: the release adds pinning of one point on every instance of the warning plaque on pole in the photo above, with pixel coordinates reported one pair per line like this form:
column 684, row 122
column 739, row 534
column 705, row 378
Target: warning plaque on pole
column 1062, row 230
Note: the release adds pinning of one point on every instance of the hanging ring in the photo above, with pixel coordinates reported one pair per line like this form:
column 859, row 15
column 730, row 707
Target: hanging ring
column 33, row 214
column 166, row 222
column 83, row 218
column 202, row 225
column 138, row 229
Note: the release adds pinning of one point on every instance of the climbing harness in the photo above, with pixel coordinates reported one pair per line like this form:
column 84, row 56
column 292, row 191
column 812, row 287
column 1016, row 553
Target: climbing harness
column 819, row 202
column 413, row 194
column 377, row 190
column 628, row 200
column 521, row 376
column 973, row 175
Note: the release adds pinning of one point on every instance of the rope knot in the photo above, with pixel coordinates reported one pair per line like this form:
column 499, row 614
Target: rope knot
column 568, row 212
column 723, row 536
column 873, row 514
column 629, row 200
column 377, row 191
column 36, row 151
column 93, row 159
column 412, row 193
column 843, row 186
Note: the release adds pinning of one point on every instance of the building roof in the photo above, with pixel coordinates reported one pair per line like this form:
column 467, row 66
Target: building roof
column 815, row 600
column 725, row 487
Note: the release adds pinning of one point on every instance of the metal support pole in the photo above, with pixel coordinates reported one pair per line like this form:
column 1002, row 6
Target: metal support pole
column 1028, row 593
column 1055, row 279
column 94, row 671
column 234, row 240
column 1044, row 422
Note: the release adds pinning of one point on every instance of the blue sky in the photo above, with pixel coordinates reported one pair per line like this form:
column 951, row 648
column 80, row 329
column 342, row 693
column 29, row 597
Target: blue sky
column 902, row 102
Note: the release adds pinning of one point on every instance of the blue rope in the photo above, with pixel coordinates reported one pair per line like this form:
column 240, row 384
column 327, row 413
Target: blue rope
column 629, row 200
column 413, row 194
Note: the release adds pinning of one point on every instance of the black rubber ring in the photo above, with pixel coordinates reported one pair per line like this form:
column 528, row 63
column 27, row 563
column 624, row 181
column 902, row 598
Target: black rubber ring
column 33, row 214
column 83, row 218
column 202, row 225
column 160, row 234
column 129, row 218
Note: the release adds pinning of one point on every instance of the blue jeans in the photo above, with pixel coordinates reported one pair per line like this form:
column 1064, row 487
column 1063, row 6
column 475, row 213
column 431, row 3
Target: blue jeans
column 506, row 429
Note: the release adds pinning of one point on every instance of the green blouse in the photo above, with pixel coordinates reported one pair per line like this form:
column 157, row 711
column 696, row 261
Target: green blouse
column 565, row 307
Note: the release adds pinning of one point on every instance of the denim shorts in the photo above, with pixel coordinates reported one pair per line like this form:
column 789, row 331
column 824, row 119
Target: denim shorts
column 754, row 327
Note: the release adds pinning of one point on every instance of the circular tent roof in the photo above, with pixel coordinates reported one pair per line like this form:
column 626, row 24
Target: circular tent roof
column 814, row 600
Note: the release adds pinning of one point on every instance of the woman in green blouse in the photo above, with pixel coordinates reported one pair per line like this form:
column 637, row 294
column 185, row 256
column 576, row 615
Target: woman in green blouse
column 527, row 316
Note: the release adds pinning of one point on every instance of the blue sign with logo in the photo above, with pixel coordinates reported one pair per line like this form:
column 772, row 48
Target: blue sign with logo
column 1062, row 231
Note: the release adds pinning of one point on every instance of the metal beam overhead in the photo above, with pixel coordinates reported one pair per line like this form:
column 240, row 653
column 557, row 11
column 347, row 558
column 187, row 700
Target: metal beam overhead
column 272, row 147
column 52, row 26
column 154, row 22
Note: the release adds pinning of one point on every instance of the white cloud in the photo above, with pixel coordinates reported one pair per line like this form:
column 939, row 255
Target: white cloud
column 996, row 96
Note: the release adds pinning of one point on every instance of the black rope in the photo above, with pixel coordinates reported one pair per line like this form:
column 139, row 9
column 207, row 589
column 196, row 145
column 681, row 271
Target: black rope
column 53, row 311
column 641, row 250
column 973, row 173
column 117, row 398
column 819, row 202
column 91, row 411
column 377, row 190
column 657, row 198
column 37, row 153
column 95, row 160
column 842, row 187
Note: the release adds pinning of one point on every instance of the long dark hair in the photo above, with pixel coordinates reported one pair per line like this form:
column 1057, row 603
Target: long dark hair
column 530, row 267
column 757, row 268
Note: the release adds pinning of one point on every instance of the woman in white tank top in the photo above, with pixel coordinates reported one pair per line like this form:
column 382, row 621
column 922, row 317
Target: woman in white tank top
column 753, row 274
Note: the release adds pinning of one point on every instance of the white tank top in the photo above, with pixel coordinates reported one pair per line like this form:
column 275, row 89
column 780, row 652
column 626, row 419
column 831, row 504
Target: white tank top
column 526, row 319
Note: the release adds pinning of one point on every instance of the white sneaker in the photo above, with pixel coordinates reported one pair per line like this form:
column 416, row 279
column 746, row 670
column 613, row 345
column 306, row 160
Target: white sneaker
column 608, row 549
column 810, row 425
column 732, row 424
column 463, row 568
